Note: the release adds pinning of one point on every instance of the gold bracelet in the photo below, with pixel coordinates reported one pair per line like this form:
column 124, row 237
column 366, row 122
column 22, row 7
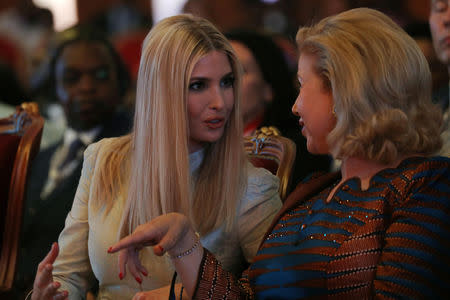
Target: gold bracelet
column 190, row 250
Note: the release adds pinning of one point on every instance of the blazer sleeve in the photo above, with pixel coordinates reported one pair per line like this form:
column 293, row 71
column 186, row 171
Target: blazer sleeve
column 259, row 206
column 72, row 267
column 213, row 282
column 414, row 262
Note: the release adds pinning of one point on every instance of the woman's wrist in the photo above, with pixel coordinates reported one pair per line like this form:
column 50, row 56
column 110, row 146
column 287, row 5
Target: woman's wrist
column 187, row 268
column 186, row 256
column 189, row 250
column 186, row 245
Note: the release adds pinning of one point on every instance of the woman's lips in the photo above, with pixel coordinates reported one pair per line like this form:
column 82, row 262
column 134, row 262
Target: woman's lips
column 446, row 41
column 214, row 123
column 302, row 126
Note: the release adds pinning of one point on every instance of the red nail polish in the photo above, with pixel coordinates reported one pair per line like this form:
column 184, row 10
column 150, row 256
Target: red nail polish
column 161, row 248
column 138, row 279
column 121, row 275
column 109, row 249
column 144, row 273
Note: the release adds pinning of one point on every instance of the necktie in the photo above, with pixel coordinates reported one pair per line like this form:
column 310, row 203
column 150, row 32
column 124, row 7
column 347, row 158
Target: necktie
column 71, row 155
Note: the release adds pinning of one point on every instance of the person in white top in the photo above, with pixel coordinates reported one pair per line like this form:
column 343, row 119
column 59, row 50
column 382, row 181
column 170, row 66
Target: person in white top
column 184, row 154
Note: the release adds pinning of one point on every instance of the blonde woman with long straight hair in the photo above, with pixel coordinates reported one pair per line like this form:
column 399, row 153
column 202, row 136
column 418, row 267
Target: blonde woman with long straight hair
column 184, row 155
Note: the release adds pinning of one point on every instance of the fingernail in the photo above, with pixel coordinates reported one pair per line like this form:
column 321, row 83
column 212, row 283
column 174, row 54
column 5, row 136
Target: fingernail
column 161, row 248
column 109, row 249
column 144, row 273
column 120, row 275
column 138, row 279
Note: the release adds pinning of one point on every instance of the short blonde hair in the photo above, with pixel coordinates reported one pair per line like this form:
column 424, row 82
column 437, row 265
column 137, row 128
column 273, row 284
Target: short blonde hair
column 381, row 86
column 158, row 177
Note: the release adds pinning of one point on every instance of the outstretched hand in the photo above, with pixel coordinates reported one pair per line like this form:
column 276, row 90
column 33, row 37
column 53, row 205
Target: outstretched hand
column 167, row 233
column 44, row 288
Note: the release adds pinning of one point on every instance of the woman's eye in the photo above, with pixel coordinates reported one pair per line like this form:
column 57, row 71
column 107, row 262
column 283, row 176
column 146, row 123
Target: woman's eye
column 196, row 86
column 298, row 85
column 228, row 81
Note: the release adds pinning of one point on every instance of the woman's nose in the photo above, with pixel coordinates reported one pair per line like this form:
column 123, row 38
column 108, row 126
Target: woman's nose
column 295, row 107
column 217, row 100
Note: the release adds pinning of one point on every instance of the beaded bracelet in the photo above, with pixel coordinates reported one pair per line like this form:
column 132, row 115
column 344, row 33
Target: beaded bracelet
column 190, row 250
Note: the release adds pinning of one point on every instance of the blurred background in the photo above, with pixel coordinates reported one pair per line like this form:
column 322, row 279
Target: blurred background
column 26, row 27
column 279, row 15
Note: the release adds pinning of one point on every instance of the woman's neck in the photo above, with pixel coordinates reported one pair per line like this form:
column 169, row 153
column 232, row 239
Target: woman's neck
column 364, row 169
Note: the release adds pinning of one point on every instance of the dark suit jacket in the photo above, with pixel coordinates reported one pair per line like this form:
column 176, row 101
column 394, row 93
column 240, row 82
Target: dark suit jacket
column 44, row 218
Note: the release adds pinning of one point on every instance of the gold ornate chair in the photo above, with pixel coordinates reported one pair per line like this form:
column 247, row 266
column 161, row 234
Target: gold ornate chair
column 20, row 137
column 268, row 149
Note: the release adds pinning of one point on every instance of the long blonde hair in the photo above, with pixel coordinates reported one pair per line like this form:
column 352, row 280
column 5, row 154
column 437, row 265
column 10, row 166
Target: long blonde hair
column 381, row 86
column 150, row 167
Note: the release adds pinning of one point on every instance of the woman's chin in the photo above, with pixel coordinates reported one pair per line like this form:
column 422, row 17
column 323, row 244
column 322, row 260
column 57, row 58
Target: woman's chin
column 316, row 149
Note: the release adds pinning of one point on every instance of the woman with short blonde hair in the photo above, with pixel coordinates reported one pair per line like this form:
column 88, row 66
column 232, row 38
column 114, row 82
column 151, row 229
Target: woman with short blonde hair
column 375, row 229
column 382, row 102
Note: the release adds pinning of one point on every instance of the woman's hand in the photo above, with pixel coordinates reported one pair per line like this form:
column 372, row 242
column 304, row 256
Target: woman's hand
column 44, row 287
column 167, row 233
column 171, row 233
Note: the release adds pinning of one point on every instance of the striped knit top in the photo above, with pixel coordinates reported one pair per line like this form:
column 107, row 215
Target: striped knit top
column 389, row 241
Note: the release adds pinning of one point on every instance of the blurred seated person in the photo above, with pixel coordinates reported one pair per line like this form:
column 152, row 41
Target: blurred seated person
column 28, row 27
column 379, row 228
column 129, row 46
column 13, row 94
column 421, row 33
column 268, row 93
column 12, row 90
column 88, row 79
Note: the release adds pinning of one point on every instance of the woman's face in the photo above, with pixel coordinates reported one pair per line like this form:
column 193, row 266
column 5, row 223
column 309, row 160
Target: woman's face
column 210, row 99
column 256, row 92
column 314, row 105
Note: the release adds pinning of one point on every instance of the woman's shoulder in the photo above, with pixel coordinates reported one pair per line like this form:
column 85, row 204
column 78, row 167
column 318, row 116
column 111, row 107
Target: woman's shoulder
column 105, row 144
column 415, row 168
column 427, row 176
column 95, row 151
column 262, row 186
column 260, row 176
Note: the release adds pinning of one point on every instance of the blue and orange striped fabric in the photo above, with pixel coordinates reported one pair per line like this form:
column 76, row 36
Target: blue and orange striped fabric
column 390, row 241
